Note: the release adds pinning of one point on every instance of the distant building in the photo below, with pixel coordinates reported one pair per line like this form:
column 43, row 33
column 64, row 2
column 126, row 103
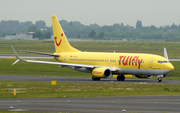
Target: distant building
column 21, row 36
column 52, row 37
column 124, row 40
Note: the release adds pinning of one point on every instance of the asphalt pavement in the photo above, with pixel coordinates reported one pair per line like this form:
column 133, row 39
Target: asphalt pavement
column 80, row 79
column 144, row 104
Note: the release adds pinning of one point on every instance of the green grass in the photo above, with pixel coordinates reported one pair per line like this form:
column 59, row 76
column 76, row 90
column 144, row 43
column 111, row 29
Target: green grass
column 173, row 48
column 24, row 68
column 46, row 90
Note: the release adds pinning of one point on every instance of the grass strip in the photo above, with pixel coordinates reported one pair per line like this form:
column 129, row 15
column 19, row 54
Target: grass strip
column 62, row 90
column 173, row 48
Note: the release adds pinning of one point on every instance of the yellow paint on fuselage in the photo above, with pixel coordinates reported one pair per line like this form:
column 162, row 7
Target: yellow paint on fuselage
column 144, row 61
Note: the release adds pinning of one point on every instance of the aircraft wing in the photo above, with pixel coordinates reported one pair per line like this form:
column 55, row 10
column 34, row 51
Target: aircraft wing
column 70, row 64
column 60, row 63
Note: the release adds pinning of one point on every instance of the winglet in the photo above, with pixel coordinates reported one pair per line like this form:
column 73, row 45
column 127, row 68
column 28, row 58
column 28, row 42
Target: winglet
column 17, row 56
column 165, row 54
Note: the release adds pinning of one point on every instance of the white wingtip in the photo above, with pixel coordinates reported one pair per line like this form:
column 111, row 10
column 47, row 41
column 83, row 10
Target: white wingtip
column 165, row 54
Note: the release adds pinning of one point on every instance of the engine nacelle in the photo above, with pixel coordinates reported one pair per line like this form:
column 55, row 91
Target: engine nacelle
column 101, row 73
column 143, row 76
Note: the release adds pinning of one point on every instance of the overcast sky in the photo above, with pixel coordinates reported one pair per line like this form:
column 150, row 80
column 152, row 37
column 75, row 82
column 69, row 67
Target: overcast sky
column 102, row 12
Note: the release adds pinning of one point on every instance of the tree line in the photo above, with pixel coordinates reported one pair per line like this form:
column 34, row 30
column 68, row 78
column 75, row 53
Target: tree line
column 93, row 31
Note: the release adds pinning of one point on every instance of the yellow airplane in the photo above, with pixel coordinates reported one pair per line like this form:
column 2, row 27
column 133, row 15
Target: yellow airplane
column 101, row 64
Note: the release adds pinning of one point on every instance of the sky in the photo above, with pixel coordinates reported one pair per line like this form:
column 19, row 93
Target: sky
column 101, row 12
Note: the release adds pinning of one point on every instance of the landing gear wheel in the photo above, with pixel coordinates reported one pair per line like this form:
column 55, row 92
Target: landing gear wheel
column 159, row 79
column 120, row 78
column 123, row 78
column 95, row 79
column 98, row 79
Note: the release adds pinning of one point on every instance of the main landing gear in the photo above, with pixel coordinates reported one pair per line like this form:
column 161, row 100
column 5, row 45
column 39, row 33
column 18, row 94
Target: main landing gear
column 159, row 79
column 120, row 77
column 95, row 79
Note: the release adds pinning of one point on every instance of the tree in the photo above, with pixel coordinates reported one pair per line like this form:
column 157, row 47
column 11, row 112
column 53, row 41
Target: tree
column 92, row 34
column 41, row 24
column 9, row 23
column 116, row 27
column 174, row 26
column 152, row 27
column 37, row 34
column 94, row 26
column 71, row 24
column 32, row 28
column 46, row 35
column 122, row 25
column 78, row 36
column 42, row 35
column 179, row 27
column 138, row 24
column 101, row 35
column 27, row 23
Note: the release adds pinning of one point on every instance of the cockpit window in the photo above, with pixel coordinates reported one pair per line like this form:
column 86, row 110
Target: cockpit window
column 163, row 62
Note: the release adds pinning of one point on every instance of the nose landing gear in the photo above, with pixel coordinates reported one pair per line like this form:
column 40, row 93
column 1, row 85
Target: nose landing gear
column 159, row 79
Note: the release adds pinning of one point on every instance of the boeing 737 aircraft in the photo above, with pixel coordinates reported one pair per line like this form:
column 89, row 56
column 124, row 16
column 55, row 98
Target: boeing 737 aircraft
column 101, row 64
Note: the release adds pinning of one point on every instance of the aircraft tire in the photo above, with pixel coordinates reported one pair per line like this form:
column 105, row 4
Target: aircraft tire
column 123, row 78
column 98, row 79
column 159, row 79
column 120, row 78
column 95, row 79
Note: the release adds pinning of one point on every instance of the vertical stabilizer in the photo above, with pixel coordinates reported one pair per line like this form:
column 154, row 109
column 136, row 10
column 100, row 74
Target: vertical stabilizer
column 60, row 40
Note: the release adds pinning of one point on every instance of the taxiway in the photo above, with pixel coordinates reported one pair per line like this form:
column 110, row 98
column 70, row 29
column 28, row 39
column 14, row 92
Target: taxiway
column 79, row 79
column 143, row 104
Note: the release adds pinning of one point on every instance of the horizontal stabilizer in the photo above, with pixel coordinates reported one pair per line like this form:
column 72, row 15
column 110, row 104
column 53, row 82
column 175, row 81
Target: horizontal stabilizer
column 16, row 61
column 41, row 53
column 17, row 56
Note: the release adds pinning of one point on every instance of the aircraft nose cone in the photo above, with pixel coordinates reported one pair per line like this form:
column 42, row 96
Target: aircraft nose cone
column 170, row 67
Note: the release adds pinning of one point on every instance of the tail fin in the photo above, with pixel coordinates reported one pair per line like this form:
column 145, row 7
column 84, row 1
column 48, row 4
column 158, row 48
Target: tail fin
column 60, row 40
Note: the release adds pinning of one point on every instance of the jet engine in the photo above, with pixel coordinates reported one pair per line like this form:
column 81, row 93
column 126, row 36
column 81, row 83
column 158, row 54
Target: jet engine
column 143, row 76
column 101, row 73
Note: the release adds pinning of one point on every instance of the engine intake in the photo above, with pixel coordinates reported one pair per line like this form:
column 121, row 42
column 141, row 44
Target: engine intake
column 101, row 73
